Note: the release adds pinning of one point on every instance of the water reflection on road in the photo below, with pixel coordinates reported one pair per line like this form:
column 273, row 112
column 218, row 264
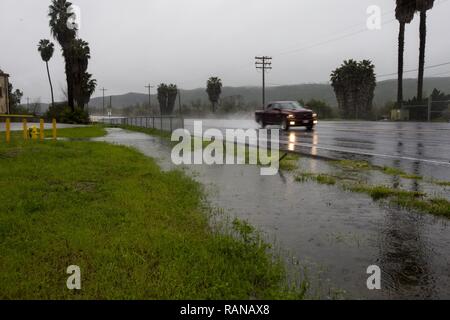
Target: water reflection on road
column 420, row 148
column 326, row 228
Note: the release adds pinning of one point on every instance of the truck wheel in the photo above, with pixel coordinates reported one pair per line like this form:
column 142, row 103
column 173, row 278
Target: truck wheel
column 310, row 128
column 284, row 125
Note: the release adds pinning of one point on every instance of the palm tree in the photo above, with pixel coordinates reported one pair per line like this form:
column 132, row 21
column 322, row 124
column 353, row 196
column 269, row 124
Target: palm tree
column 172, row 91
column 80, row 54
column 46, row 49
column 163, row 97
column 422, row 6
column 404, row 13
column 59, row 14
column 354, row 85
column 214, row 90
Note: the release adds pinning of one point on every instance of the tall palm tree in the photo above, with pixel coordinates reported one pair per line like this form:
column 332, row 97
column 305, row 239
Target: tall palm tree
column 422, row 6
column 46, row 49
column 214, row 90
column 59, row 14
column 404, row 13
column 80, row 54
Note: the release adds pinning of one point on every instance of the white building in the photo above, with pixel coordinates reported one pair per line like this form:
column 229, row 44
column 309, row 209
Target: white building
column 4, row 98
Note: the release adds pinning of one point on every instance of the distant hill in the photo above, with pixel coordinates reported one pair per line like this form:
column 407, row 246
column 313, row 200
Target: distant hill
column 385, row 91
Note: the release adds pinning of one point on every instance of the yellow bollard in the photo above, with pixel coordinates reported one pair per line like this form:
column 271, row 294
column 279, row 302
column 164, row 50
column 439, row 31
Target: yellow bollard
column 54, row 128
column 8, row 130
column 34, row 133
column 25, row 129
column 41, row 130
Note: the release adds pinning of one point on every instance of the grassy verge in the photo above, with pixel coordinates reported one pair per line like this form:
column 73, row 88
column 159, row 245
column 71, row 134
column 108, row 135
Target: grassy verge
column 85, row 132
column 154, row 132
column 79, row 133
column 288, row 163
column 135, row 231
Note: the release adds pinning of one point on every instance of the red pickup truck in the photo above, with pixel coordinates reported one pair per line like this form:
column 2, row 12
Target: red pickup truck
column 286, row 114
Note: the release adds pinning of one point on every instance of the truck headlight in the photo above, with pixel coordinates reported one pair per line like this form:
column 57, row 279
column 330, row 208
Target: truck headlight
column 290, row 116
column 314, row 115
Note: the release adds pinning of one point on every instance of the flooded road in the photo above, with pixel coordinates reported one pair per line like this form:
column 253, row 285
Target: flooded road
column 418, row 148
column 333, row 233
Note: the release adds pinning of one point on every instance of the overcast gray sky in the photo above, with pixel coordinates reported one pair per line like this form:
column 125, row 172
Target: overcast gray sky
column 135, row 42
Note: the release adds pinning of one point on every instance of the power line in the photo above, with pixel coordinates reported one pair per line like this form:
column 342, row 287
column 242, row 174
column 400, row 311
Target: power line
column 345, row 35
column 413, row 70
column 329, row 41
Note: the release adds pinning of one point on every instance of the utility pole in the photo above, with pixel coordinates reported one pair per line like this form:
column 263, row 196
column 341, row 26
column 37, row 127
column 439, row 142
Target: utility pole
column 179, row 101
column 103, row 110
column 110, row 107
column 263, row 63
column 430, row 103
column 149, row 87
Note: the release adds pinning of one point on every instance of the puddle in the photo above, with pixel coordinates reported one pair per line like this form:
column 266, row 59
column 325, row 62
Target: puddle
column 334, row 233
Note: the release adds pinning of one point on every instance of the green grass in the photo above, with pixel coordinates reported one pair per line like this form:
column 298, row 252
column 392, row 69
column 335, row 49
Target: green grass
column 356, row 165
column 135, row 231
column 442, row 183
column 290, row 162
column 79, row 133
column 406, row 199
column 382, row 192
column 319, row 178
column 85, row 132
column 154, row 132
column 437, row 206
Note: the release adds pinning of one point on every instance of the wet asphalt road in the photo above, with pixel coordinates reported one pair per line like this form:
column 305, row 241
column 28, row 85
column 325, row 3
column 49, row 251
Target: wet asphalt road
column 419, row 148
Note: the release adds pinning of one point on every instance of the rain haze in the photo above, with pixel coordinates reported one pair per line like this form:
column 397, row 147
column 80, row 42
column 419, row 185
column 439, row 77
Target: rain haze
column 185, row 42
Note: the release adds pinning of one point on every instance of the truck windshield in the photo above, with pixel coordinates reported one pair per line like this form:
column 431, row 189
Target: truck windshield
column 294, row 105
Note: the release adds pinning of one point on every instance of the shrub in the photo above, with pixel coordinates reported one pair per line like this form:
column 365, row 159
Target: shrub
column 62, row 113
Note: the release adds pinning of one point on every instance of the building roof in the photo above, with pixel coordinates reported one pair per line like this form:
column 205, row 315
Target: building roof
column 3, row 74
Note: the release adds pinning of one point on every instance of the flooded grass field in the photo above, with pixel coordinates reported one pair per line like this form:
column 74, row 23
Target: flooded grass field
column 331, row 234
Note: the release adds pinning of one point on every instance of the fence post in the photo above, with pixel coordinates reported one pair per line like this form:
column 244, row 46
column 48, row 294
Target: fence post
column 54, row 129
column 8, row 130
column 161, row 123
column 25, row 129
column 41, row 129
column 171, row 124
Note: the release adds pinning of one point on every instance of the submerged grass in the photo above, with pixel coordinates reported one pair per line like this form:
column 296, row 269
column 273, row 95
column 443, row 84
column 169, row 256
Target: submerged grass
column 357, row 165
column 382, row 192
column 406, row 199
column 136, row 232
column 319, row 178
